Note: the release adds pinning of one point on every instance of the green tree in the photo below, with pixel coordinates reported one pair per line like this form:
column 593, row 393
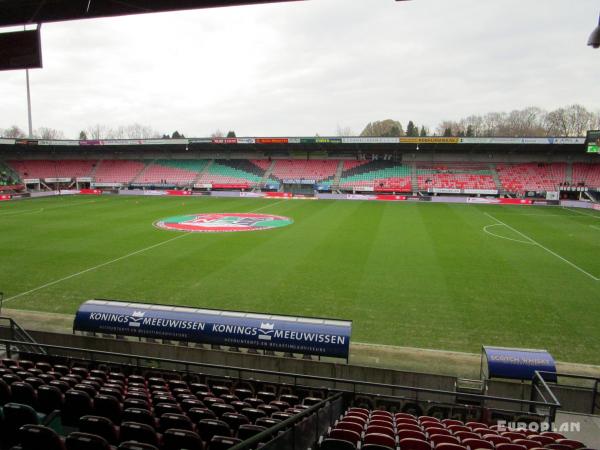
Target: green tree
column 448, row 132
column 231, row 134
column 470, row 132
column 82, row 136
column 177, row 135
column 423, row 131
column 411, row 129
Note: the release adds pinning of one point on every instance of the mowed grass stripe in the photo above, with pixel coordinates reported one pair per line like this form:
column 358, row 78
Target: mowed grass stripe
column 116, row 259
column 422, row 275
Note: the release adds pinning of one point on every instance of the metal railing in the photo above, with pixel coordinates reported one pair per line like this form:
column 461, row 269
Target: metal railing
column 548, row 403
column 22, row 341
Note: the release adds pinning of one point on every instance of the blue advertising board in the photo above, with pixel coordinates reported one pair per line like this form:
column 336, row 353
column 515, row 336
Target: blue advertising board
column 313, row 336
column 518, row 364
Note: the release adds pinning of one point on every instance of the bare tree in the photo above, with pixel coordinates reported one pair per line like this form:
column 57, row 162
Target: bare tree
column 217, row 134
column 97, row 131
column 344, row 131
column 14, row 132
column 48, row 134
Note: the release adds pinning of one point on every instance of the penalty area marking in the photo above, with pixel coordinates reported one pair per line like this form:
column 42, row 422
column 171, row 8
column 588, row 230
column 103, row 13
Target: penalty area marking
column 120, row 258
column 575, row 266
column 485, row 230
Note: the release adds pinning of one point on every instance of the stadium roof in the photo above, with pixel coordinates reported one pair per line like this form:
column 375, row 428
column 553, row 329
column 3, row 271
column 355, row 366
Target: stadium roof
column 20, row 12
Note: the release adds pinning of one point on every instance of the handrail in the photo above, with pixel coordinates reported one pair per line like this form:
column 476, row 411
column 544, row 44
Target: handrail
column 272, row 431
column 18, row 332
column 297, row 376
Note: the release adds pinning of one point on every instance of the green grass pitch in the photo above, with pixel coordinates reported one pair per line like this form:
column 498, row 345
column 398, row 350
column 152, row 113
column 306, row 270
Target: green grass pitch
column 450, row 277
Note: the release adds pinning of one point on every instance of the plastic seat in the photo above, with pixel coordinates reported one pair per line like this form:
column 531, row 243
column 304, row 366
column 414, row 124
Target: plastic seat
column 23, row 393
column 35, row 382
column 234, row 420
column 207, row 428
column 345, row 435
column 414, row 444
column 496, row 439
column 60, row 384
column 411, row 434
column 179, row 421
column 462, row 435
column 529, row 444
column 50, row 398
column 36, row 437
column 253, row 414
column 114, row 391
column 221, row 408
column 100, row 426
column 176, row 439
column 189, row 403
column 438, row 439
column 247, row 431
column 76, row 404
column 163, row 408
column 571, row 443
column 438, row 431
column 556, row 446
column 543, row 440
column 388, row 431
column 265, row 396
column 355, row 419
column 450, row 447
column 474, row 444
column 222, row 442
column 139, row 415
column 552, row 435
column 268, row 409
column 413, row 427
column 86, row 388
column 85, row 441
column 343, row 425
column 133, row 445
column 381, row 423
column 140, row 432
column 197, row 414
column 4, row 392
column 336, row 444
column 135, row 403
column 108, row 406
column 513, row 435
column 15, row 416
column 512, row 447
column 379, row 439
column 448, row 422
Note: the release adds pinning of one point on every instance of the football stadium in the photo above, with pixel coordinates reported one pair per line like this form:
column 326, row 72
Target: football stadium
column 304, row 292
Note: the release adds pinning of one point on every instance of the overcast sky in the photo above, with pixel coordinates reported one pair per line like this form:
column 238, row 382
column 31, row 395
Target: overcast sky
column 302, row 68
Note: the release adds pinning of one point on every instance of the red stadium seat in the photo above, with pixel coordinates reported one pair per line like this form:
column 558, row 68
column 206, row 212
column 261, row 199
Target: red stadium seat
column 571, row 443
column 379, row 439
column 411, row 434
column 474, row 444
column 438, row 439
column 414, row 444
column 352, row 426
column 345, row 435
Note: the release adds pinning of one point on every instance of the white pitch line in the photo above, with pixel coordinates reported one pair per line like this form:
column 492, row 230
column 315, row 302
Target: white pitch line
column 31, row 211
column 595, row 227
column 582, row 213
column 485, row 230
column 575, row 266
column 68, row 277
